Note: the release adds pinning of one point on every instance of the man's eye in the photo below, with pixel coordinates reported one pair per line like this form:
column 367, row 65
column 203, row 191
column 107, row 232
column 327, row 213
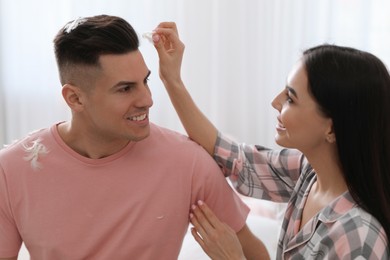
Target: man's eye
column 125, row 89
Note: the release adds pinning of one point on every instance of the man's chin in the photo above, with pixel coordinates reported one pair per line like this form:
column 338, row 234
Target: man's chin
column 137, row 138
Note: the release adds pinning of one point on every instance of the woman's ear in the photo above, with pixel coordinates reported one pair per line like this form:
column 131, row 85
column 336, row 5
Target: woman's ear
column 330, row 135
column 73, row 97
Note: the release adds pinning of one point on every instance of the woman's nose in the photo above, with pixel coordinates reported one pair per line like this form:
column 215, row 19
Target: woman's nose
column 276, row 103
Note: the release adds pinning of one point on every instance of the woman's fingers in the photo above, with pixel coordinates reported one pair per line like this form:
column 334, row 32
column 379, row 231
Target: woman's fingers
column 169, row 35
column 168, row 38
column 199, row 239
column 216, row 238
column 169, row 25
column 200, row 222
column 209, row 214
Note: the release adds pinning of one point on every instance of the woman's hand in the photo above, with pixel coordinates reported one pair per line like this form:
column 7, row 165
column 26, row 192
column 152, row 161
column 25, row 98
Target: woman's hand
column 216, row 238
column 170, row 51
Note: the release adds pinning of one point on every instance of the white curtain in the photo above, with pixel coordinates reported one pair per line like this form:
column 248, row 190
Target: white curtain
column 238, row 54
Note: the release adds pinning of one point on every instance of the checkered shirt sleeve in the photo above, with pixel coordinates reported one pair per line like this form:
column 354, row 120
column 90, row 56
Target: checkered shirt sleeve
column 257, row 171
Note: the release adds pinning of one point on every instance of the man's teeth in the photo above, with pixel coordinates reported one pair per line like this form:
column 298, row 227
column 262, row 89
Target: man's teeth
column 138, row 118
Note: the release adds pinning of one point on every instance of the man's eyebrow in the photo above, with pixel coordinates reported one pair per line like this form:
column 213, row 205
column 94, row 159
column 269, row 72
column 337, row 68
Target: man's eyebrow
column 130, row 83
column 292, row 91
column 124, row 83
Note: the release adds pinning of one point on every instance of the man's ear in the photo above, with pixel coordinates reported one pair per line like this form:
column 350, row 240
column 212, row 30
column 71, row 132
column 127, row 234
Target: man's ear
column 330, row 135
column 73, row 97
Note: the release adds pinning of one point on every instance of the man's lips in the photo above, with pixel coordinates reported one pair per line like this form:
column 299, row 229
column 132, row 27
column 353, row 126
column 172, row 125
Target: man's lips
column 138, row 118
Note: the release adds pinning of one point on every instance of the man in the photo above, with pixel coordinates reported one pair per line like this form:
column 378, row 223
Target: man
column 107, row 184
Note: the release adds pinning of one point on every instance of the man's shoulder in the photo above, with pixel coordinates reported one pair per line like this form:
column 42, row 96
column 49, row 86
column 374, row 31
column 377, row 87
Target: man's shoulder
column 172, row 137
column 178, row 143
column 18, row 147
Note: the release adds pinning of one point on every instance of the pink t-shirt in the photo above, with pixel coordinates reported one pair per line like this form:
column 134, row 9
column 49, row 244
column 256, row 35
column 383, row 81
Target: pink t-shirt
column 131, row 205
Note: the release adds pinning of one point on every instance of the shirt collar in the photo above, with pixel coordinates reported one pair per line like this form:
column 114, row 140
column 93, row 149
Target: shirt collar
column 337, row 208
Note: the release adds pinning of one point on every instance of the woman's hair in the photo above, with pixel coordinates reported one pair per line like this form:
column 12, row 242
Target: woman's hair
column 352, row 87
column 80, row 43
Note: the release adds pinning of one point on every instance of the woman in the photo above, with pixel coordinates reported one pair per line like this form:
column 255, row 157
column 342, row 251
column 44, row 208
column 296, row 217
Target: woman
column 335, row 174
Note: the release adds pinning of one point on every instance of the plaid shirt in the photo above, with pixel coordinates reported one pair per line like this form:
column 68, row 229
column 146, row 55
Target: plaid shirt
column 342, row 230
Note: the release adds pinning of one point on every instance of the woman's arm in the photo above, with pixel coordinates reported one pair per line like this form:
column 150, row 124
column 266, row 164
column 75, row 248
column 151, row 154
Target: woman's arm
column 170, row 50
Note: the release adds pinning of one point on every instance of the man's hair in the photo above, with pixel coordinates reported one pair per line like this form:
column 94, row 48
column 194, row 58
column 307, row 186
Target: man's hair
column 80, row 43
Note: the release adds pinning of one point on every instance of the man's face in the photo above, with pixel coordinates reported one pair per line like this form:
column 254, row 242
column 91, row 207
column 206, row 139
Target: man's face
column 117, row 107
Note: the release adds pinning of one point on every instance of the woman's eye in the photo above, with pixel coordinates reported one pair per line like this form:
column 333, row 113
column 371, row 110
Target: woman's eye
column 288, row 98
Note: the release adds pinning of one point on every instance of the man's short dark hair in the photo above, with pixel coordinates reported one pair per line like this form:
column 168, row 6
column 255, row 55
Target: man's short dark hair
column 81, row 42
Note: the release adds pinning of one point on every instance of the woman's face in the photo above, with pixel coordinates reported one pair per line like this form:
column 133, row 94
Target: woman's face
column 300, row 125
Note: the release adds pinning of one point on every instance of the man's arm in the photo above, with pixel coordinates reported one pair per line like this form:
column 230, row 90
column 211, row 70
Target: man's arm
column 219, row 241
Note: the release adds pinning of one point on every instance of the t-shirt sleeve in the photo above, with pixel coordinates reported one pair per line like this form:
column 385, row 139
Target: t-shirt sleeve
column 10, row 240
column 210, row 185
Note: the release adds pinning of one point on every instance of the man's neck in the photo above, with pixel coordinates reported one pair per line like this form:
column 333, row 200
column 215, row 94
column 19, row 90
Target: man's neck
column 86, row 144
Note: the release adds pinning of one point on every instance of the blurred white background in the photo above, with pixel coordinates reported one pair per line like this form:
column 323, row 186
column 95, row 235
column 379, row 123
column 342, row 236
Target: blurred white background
column 238, row 54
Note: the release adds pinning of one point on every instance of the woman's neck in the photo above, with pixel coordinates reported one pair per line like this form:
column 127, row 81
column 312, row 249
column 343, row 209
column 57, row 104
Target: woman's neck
column 330, row 178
